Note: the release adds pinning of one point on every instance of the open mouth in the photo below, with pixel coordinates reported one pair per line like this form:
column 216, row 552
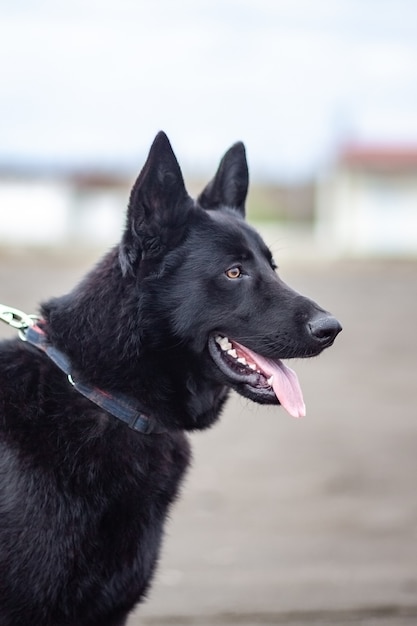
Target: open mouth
column 266, row 380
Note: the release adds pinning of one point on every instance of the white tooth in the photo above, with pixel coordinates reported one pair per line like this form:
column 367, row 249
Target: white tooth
column 252, row 366
column 242, row 360
column 224, row 343
column 232, row 353
column 259, row 371
column 269, row 381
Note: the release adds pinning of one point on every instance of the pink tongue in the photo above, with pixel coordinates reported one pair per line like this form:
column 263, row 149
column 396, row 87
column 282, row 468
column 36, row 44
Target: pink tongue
column 285, row 381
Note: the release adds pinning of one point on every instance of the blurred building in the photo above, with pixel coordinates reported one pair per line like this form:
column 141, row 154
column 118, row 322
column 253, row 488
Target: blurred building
column 364, row 205
column 367, row 203
column 44, row 208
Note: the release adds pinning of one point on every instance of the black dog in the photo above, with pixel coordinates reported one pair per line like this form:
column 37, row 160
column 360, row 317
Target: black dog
column 187, row 306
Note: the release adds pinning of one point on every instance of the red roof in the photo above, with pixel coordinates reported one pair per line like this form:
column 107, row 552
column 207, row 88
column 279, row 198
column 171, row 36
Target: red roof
column 379, row 157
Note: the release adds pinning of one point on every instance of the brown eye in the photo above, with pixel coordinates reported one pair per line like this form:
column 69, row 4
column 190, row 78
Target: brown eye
column 233, row 272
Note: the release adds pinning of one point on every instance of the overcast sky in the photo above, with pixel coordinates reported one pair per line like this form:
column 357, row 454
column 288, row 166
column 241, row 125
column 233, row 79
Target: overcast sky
column 92, row 81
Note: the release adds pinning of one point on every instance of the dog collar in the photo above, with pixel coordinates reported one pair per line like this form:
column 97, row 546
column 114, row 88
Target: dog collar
column 118, row 405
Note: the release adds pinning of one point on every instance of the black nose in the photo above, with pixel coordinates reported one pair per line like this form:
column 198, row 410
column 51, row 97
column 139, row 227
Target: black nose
column 324, row 329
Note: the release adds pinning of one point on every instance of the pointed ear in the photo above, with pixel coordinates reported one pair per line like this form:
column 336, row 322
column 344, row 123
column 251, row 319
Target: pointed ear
column 157, row 208
column 229, row 187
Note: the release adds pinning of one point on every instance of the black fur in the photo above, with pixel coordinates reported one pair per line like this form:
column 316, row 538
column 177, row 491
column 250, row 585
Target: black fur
column 83, row 498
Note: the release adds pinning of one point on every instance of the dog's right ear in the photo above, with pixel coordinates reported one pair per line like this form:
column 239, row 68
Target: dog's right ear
column 156, row 212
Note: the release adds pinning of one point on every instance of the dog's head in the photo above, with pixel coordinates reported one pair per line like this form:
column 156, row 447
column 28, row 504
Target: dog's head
column 217, row 281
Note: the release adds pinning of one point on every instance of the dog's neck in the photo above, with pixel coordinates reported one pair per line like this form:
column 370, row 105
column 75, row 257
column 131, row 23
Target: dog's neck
column 120, row 406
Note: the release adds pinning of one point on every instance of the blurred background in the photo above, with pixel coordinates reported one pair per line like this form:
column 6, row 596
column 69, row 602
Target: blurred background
column 281, row 521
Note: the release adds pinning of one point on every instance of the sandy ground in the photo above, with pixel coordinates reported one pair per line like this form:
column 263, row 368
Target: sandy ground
column 285, row 521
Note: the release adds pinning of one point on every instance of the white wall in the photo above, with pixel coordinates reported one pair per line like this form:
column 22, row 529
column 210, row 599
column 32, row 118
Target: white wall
column 367, row 213
column 33, row 211
column 51, row 212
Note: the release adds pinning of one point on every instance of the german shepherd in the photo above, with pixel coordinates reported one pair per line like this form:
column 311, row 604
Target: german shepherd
column 96, row 400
